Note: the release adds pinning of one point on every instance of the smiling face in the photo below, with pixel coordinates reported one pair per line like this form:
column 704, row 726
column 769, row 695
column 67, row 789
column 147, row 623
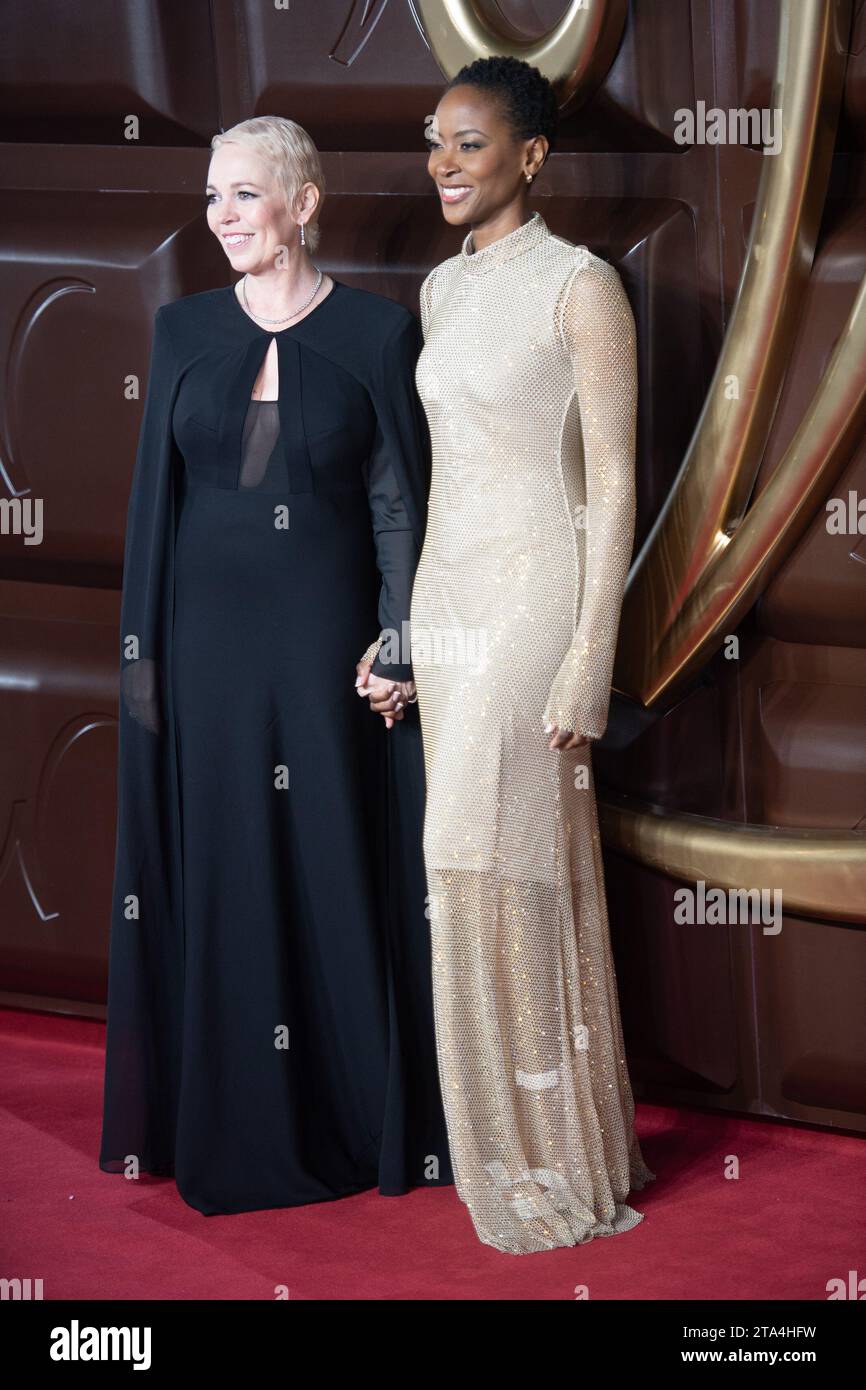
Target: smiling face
column 478, row 164
column 246, row 208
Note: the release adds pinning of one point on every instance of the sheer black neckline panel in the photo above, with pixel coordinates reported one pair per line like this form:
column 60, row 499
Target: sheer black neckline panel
column 259, row 453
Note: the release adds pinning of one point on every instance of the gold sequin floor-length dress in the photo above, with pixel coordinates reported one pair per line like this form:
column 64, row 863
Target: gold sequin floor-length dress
column 528, row 378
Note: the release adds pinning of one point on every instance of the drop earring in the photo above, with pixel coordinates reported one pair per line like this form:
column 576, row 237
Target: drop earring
column 303, row 238
column 529, row 178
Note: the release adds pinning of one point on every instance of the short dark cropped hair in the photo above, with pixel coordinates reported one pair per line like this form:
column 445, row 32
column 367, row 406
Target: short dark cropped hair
column 527, row 98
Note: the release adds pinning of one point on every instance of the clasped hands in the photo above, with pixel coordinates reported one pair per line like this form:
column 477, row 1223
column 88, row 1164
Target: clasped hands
column 390, row 698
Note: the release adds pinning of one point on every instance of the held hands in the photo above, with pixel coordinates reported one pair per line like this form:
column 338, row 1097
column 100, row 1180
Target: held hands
column 388, row 698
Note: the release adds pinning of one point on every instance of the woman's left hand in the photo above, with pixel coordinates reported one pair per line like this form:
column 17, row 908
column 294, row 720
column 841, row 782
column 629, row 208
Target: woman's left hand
column 564, row 738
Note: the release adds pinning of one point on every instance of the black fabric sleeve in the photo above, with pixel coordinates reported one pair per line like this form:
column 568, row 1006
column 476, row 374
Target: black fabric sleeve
column 398, row 465
column 396, row 558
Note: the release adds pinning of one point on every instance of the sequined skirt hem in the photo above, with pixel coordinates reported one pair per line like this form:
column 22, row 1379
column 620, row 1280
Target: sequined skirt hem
column 574, row 1225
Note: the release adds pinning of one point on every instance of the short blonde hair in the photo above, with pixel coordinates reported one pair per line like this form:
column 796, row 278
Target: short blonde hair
column 288, row 150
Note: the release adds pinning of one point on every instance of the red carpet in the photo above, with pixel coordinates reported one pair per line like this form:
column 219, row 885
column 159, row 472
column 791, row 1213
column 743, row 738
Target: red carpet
column 793, row 1220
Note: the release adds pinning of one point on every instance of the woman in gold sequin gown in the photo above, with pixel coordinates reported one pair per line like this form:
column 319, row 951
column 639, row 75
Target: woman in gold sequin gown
column 528, row 380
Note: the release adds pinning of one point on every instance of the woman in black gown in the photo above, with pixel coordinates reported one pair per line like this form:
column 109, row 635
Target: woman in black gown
column 270, row 1032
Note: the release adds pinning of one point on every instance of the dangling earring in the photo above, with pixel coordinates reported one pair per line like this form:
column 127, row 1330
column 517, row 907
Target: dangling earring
column 303, row 238
column 529, row 178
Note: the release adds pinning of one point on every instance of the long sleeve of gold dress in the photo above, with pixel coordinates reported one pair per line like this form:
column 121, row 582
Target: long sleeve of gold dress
column 528, row 379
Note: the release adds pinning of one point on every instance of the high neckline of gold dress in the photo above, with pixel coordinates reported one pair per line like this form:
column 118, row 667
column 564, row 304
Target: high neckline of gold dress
column 515, row 243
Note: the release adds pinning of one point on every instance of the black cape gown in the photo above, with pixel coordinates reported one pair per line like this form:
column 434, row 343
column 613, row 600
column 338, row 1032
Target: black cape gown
column 270, row 1027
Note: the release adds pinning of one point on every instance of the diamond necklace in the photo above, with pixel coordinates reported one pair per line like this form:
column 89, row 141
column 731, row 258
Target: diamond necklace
column 294, row 312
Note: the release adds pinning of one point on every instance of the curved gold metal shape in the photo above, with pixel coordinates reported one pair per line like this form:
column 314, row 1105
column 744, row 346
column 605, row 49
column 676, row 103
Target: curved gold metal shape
column 820, row 873
column 575, row 55
column 708, row 558
column 705, row 560
column 774, row 523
